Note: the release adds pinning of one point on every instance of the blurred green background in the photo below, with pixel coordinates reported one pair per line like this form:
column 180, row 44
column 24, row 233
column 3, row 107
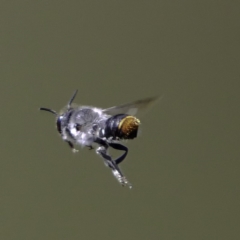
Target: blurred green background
column 184, row 167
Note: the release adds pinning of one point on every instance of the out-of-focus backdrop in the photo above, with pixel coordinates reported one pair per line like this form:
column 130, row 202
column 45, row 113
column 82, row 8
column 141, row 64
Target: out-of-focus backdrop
column 185, row 165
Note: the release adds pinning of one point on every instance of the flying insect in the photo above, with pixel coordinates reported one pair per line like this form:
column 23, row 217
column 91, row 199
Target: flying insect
column 88, row 126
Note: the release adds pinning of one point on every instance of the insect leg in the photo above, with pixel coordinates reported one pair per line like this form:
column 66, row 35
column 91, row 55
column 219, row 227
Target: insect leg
column 119, row 146
column 66, row 131
column 116, row 146
column 102, row 150
column 70, row 144
column 90, row 147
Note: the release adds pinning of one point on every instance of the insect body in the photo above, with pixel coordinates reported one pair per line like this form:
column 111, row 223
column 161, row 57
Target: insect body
column 84, row 125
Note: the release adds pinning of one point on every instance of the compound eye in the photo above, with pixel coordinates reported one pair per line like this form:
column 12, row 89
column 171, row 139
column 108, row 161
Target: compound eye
column 78, row 127
column 59, row 124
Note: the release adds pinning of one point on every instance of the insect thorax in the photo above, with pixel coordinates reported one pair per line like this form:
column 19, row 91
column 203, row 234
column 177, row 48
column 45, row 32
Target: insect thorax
column 81, row 125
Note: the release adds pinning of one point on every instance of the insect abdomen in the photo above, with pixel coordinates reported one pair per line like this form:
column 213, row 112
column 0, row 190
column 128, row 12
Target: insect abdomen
column 122, row 126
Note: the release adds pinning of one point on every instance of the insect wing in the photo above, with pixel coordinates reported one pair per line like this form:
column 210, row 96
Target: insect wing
column 133, row 109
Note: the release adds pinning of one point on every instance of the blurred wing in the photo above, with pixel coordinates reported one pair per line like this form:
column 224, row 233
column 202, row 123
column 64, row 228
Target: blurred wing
column 134, row 108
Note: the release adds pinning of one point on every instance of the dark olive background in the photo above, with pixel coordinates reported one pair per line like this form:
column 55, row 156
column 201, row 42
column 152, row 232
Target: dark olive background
column 184, row 167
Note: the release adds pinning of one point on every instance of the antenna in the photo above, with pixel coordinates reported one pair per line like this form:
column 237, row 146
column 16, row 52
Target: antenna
column 71, row 100
column 49, row 110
